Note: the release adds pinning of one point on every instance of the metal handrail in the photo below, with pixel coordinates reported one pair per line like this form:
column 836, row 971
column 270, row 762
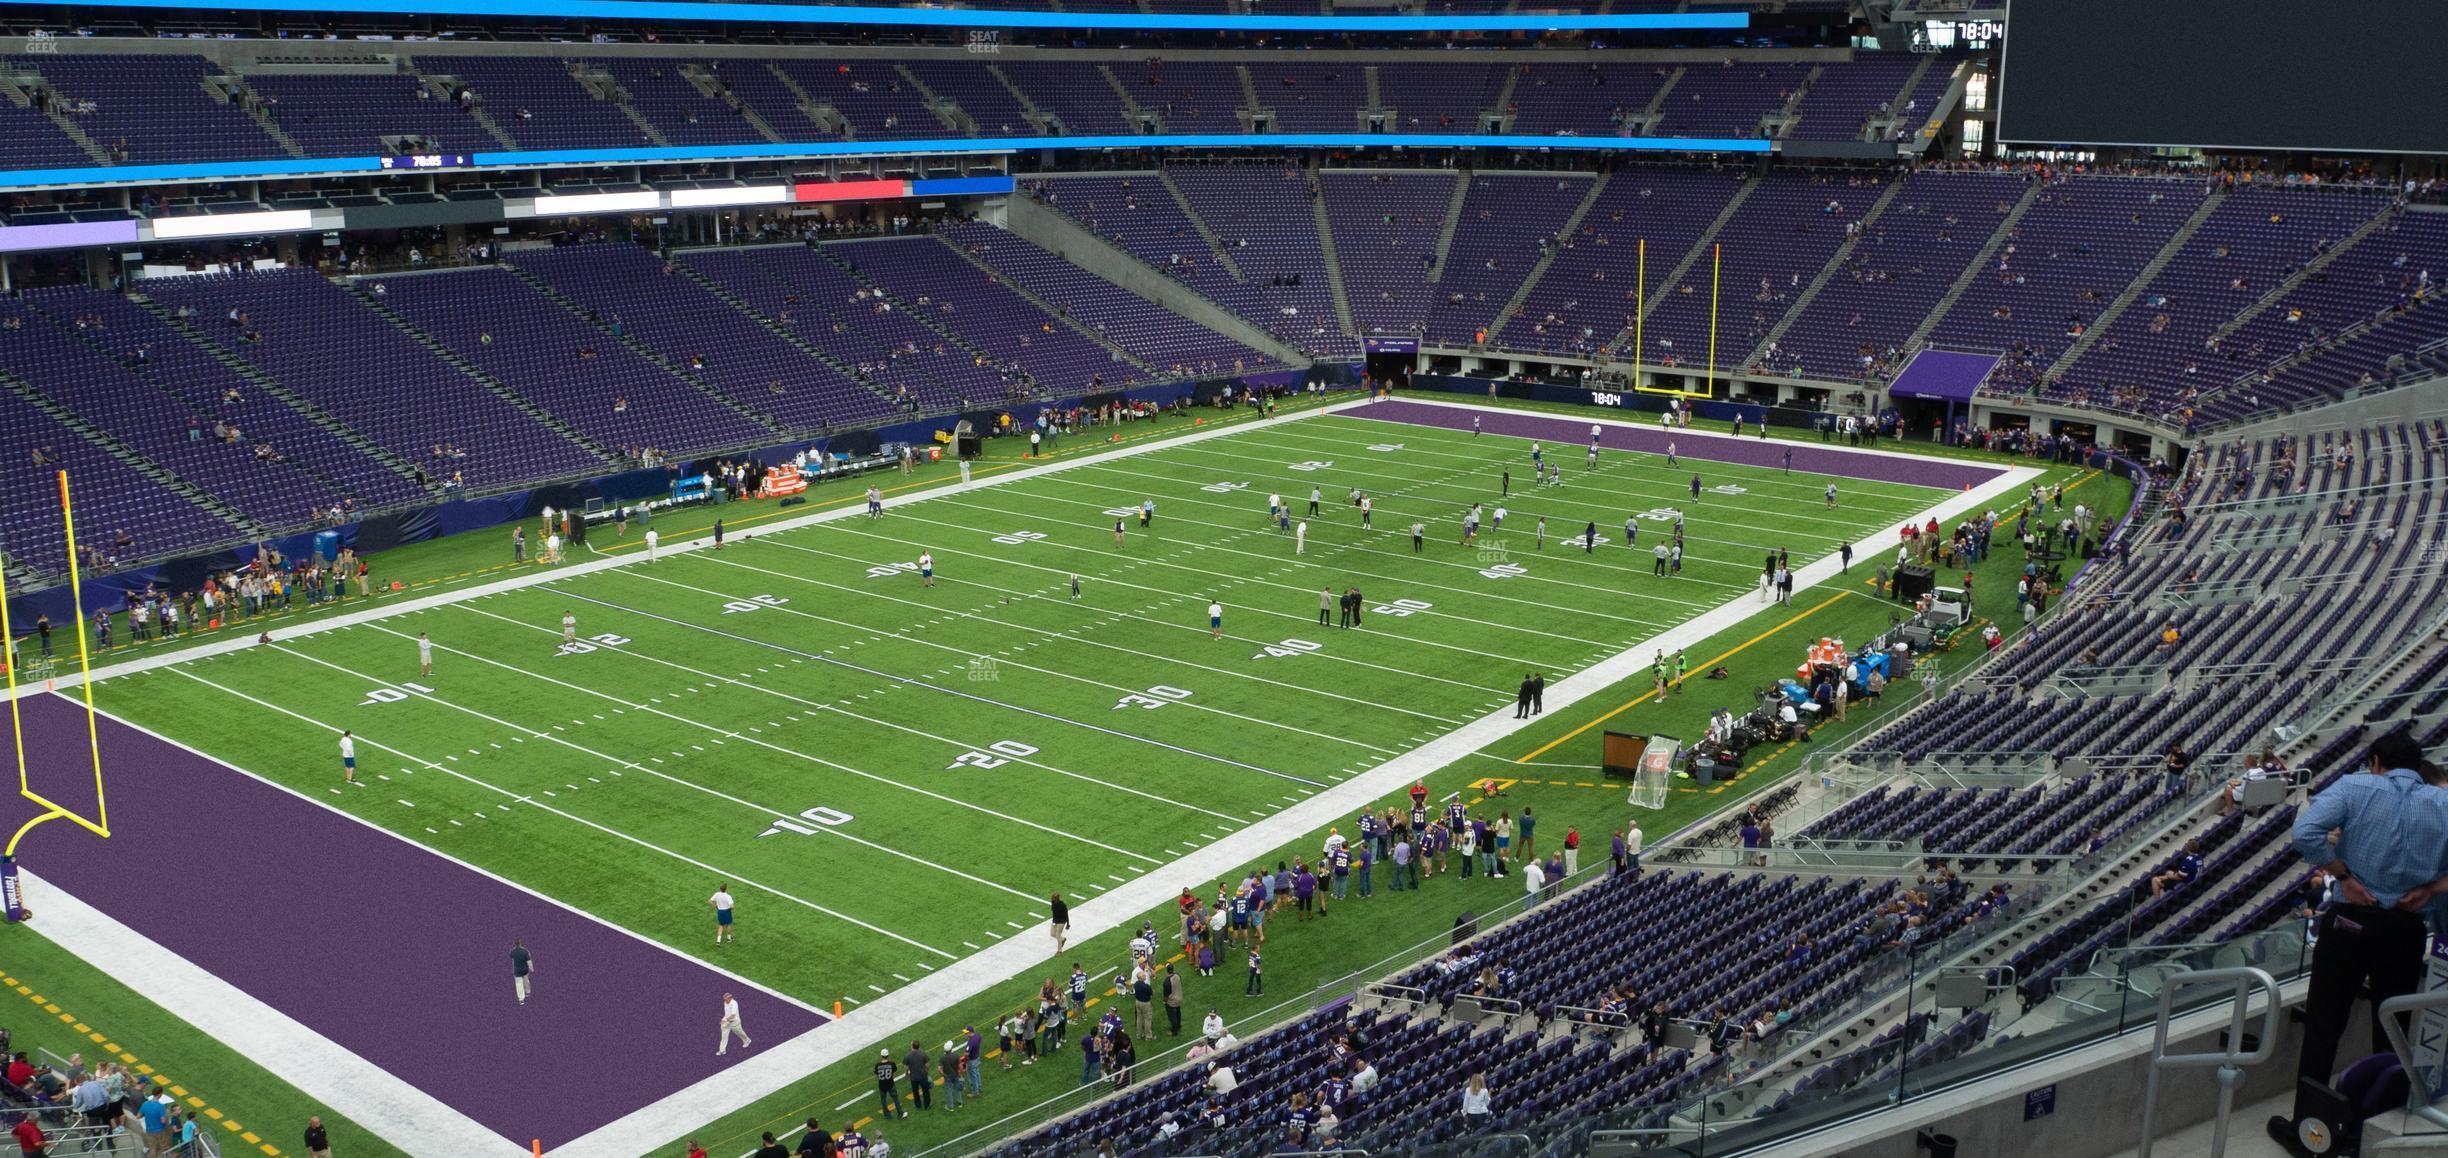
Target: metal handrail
column 2230, row 1061
column 2421, row 1101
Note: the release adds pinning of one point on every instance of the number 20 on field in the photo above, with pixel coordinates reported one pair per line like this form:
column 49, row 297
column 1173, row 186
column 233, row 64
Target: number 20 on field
column 996, row 755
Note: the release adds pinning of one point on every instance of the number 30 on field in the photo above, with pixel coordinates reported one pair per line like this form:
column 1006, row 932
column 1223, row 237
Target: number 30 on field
column 997, row 754
column 1153, row 698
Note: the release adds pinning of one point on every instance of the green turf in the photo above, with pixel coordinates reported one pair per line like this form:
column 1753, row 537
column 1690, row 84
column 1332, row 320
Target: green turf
column 57, row 1003
column 785, row 674
column 802, row 672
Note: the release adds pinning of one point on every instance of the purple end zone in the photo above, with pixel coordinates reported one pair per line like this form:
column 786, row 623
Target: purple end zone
column 386, row 948
column 1568, row 435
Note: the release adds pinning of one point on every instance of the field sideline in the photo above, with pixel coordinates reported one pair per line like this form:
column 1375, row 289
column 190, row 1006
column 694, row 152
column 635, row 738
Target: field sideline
column 894, row 776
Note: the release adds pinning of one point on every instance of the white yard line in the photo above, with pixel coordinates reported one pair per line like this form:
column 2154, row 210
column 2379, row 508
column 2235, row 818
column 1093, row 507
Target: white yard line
column 1616, row 483
column 531, row 802
column 1805, row 487
column 1578, row 641
column 949, row 690
column 822, row 706
column 1052, row 634
column 541, row 575
column 1359, row 409
column 1398, row 531
column 770, row 814
column 966, row 653
column 857, row 1035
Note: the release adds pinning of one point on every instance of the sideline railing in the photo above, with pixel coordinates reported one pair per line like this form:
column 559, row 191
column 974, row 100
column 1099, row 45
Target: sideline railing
column 1735, row 1100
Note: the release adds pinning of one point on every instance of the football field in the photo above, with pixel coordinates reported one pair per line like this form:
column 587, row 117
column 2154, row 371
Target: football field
column 894, row 771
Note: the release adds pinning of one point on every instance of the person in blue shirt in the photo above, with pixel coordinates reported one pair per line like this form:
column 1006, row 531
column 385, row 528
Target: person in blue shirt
column 2388, row 859
column 2182, row 872
column 156, row 1115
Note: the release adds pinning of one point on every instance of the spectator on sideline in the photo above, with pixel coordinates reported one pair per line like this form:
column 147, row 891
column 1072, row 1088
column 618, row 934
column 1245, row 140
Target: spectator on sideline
column 920, row 1071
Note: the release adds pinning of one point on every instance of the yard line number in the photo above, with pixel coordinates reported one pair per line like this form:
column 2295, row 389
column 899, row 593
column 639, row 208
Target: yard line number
column 1153, row 698
column 393, row 695
column 809, row 822
column 1287, row 649
column 996, row 755
column 591, row 643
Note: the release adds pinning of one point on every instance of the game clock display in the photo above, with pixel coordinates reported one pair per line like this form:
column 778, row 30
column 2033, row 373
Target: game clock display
column 427, row 161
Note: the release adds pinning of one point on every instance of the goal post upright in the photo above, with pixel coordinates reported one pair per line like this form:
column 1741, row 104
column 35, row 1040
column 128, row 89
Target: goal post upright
column 11, row 899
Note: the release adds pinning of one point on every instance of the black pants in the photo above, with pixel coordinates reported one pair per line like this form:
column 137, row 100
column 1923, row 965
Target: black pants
column 922, row 1091
column 1173, row 1019
column 2357, row 944
column 1256, row 986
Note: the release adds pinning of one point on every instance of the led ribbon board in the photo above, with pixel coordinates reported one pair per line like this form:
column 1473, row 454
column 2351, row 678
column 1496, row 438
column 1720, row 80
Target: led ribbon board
column 680, row 10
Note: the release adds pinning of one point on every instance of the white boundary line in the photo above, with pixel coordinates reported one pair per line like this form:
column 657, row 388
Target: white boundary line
column 542, row 575
column 374, row 1098
column 1683, row 432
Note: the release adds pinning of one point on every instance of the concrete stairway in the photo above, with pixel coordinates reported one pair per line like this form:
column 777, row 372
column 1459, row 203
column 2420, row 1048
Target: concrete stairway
column 274, row 388
column 641, row 349
column 1056, row 312
column 499, row 388
column 1215, row 245
column 233, row 90
column 775, row 328
column 1453, row 221
column 1978, row 267
column 1698, row 250
column 2133, row 289
column 1334, row 265
column 1827, row 272
column 161, row 476
column 1572, row 225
